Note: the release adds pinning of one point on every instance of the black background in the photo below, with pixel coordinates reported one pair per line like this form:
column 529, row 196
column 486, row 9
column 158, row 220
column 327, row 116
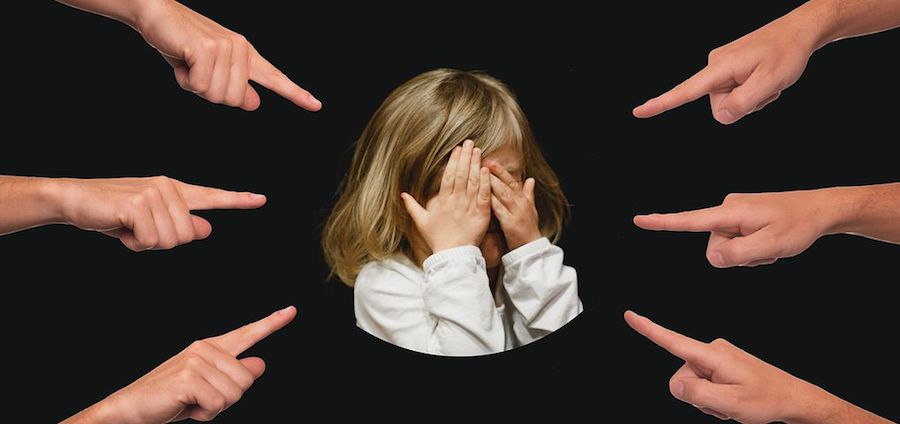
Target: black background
column 90, row 99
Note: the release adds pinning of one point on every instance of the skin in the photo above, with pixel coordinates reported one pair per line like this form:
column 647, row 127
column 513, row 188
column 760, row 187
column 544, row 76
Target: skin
column 208, row 59
column 758, row 229
column 724, row 381
column 143, row 213
column 749, row 73
column 198, row 383
column 472, row 202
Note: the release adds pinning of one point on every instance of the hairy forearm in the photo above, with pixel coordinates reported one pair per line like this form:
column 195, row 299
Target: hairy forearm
column 870, row 211
column 127, row 11
column 817, row 406
column 833, row 20
column 27, row 202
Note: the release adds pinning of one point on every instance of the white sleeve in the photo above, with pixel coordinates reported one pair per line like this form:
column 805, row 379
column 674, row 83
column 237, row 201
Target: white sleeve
column 543, row 291
column 452, row 313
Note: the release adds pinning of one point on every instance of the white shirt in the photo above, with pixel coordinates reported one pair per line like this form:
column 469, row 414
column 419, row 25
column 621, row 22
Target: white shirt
column 447, row 307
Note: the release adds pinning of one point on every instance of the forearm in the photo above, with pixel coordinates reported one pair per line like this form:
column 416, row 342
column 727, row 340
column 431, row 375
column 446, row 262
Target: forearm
column 833, row 20
column 458, row 298
column 817, row 406
column 27, row 202
column 869, row 211
column 541, row 288
column 126, row 11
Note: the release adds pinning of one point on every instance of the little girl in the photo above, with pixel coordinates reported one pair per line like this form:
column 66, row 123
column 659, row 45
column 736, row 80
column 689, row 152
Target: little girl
column 444, row 222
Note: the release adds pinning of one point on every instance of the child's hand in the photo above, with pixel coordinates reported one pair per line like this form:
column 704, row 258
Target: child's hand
column 460, row 213
column 513, row 204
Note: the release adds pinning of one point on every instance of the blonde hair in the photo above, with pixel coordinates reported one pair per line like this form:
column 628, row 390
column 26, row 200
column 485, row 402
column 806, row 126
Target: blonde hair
column 405, row 147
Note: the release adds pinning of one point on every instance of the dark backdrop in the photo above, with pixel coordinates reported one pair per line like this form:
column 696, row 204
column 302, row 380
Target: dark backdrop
column 88, row 98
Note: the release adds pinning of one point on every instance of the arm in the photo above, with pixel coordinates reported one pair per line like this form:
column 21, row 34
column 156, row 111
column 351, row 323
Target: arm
column 448, row 311
column 208, row 59
column 456, row 289
column 542, row 290
column 722, row 380
column 757, row 229
column 144, row 213
column 27, row 202
column 749, row 73
column 198, row 383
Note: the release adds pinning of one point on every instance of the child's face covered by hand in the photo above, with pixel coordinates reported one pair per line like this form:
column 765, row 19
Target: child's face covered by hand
column 487, row 206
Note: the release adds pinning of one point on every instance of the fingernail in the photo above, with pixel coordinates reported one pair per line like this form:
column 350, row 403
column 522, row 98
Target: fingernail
column 717, row 259
column 727, row 116
column 678, row 389
column 256, row 196
column 468, row 143
column 285, row 310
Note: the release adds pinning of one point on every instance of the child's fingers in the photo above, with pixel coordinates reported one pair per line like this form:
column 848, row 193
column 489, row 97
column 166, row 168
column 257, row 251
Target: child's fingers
column 462, row 168
column 413, row 208
column 528, row 188
column 474, row 183
column 504, row 175
column 501, row 211
column 450, row 172
column 501, row 191
column 484, row 188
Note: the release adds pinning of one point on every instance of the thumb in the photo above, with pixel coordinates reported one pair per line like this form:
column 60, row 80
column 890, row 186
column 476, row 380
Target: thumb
column 255, row 365
column 702, row 393
column 415, row 210
column 528, row 187
column 202, row 227
column 744, row 250
column 759, row 87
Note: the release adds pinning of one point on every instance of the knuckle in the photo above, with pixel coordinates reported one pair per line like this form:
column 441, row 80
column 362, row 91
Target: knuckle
column 186, row 376
column 168, row 244
column 197, row 346
column 192, row 360
column 219, row 402
column 233, row 398
column 223, row 43
column 733, row 198
column 244, row 381
column 207, row 44
column 238, row 39
column 720, row 342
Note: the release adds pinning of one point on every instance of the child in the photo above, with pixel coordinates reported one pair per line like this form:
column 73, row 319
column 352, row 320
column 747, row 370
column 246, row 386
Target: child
column 448, row 245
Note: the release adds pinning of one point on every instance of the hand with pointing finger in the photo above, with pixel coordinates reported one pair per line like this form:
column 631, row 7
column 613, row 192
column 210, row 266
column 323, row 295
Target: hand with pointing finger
column 144, row 213
column 758, row 229
column 747, row 74
column 722, row 380
column 209, row 59
column 198, row 383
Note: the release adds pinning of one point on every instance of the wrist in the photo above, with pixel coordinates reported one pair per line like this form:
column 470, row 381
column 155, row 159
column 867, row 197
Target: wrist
column 811, row 404
column 140, row 12
column 844, row 207
column 52, row 192
column 99, row 413
column 516, row 242
column 822, row 18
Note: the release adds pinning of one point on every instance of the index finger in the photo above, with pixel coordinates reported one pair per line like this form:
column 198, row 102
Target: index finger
column 700, row 220
column 263, row 72
column 504, row 175
column 206, row 198
column 237, row 341
column 695, row 87
column 682, row 346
